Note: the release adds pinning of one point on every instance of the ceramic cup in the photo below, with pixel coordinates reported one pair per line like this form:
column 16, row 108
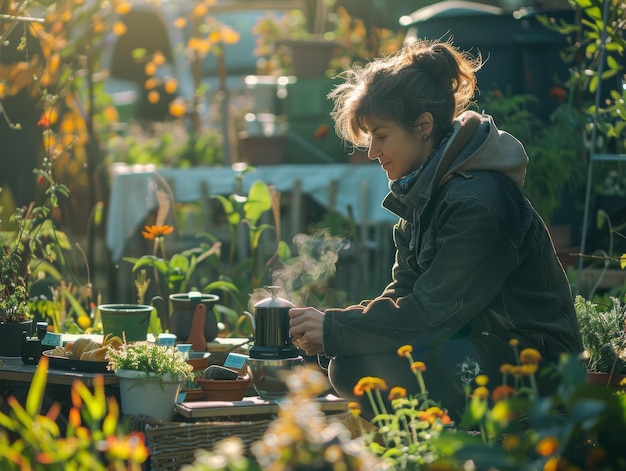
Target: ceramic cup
column 185, row 348
column 166, row 339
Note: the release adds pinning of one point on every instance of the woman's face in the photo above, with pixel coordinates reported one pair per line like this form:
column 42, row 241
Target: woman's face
column 399, row 151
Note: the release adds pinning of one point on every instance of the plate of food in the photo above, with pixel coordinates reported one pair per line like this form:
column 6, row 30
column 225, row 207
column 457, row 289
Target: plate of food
column 83, row 355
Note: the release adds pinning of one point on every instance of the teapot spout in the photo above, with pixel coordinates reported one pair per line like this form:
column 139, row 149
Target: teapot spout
column 249, row 318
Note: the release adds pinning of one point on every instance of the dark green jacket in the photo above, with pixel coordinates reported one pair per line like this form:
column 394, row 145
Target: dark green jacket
column 473, row 259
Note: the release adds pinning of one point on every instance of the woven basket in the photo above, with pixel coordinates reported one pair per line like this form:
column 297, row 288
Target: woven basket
column 174, row 444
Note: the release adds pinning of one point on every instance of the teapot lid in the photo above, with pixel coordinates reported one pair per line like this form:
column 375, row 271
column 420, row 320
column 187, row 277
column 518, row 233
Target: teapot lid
column 274, row 300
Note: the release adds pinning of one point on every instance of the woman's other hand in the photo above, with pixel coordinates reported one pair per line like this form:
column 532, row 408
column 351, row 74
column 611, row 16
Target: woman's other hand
column 307, row 329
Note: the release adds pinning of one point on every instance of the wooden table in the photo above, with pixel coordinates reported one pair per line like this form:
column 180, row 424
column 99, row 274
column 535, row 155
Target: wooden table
column 13, row 369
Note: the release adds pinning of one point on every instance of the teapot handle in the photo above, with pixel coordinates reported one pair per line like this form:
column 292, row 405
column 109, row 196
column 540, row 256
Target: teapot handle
column 162, row 310
column 247, row 317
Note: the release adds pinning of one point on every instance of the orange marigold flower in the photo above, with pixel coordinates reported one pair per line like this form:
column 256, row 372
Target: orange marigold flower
column 119, row 28
column 150, row 68
column 397, row 393
column 123, row 8
column 426, row 417
column 180, row 22
column 150, row 83
column 178, row 108
column 502, row 392
column 547, row 446
column 158, row 58
column 199, row 10
column 153, row 97
column 404, row 350
column 368, row 383
column 111, row 114
column 529, row 355
column 153, row 231
column 418, row 366
column 170, row 86
column 436, row 411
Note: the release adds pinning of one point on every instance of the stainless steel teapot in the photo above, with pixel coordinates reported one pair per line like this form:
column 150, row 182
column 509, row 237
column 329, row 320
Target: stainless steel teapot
column 271, row 328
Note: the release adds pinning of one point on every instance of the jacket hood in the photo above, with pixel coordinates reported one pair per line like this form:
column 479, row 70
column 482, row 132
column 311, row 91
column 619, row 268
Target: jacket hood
column 474, row 144
column 489, row 149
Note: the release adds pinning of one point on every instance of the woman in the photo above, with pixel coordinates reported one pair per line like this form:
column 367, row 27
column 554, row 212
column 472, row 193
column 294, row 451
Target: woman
column 475, row 267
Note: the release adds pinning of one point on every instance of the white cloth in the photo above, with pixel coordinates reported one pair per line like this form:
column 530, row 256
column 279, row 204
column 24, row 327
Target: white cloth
column 361, row 187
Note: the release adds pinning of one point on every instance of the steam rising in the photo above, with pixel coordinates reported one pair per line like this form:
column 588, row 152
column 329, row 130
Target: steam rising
column 310, row 271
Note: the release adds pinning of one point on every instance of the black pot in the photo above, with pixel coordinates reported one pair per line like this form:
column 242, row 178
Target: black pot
column 11, row 336
column 183, row 309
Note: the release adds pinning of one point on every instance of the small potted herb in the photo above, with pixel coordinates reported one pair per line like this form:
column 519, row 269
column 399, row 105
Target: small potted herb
column 604, row 338
column 150, row 377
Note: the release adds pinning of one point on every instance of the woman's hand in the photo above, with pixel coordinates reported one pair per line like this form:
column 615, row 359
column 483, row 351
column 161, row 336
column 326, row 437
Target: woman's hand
column 307, row 329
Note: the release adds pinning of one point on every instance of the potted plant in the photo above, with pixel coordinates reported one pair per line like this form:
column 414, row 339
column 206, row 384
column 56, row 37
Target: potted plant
column 603, row 331
column 14, row 313
column 150, row 377
column 30, row 245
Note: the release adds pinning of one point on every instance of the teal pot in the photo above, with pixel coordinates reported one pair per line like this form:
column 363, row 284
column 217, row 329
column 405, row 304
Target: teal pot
column 148, row 395
column 130, row 321
column 11, row 336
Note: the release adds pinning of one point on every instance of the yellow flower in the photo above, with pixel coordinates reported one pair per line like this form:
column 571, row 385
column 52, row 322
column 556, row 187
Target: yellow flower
column 418, row 366
column 481, row 392
column 368, row 383
column 153, row 231
column 397, row 393
column 506, row 368
column 528, row 369
column 482, row 380
column 514, row 343
column 530, row 355
column 354, row 408
column 405, row 350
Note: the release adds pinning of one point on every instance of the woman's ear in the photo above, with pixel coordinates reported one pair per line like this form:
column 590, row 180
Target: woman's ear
column 424, row 124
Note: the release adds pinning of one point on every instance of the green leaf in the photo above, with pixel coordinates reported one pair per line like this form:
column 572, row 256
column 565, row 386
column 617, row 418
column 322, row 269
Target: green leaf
column 593, row 84
column 229, row 210
column 34, row 400
column 612, row 63
column 259, row 201
column 284, row 252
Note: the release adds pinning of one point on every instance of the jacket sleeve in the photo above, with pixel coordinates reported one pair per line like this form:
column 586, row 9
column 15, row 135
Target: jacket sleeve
column 437, row 290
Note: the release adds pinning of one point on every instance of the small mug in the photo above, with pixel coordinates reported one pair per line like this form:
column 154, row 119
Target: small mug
column 166, row 339
column 185, row 348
